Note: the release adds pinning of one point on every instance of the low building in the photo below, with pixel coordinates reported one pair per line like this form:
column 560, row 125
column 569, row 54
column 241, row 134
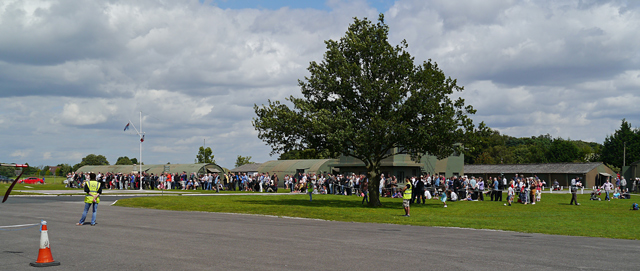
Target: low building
column 631, row 171
column 592, row 174
column 403, row 165
column 399, row 165
column 292, row 167
column 249, row 169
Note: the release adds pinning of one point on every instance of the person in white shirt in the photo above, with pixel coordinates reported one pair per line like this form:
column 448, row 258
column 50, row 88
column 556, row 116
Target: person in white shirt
column 510, row 193
column 382, row 181
column 607, row 187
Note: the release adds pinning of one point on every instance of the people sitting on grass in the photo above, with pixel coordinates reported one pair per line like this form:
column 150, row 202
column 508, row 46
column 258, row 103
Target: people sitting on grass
column 468, row 198
column 189, row 185
column 616, row 195
column 453, row 196
column 595, row 195
column 626, row 194
column 397, row 194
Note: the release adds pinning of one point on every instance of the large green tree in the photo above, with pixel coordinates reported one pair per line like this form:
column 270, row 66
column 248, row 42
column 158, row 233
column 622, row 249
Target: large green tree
column 124, row 160
column 563, row 151
column 205, row 155
column 613, row 149
column 91, row 159
column 64, row 169
column 365, row 98
column 243, row 160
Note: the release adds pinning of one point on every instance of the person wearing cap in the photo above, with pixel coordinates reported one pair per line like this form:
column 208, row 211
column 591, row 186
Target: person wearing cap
column 406, row 196
column 93, row 190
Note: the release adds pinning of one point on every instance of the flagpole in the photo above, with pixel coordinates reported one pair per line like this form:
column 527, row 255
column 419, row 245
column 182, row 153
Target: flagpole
column 141, row 135
column 140, row 162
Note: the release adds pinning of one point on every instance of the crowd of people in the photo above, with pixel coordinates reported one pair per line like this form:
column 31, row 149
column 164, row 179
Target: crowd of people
column 526, row 190
column 424, row 187
column 179, row 181
column 150, row 181
column 464, row 188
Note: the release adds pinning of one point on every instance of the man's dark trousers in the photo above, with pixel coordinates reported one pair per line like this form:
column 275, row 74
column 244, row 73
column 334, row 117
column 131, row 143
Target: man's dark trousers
column 574, row 198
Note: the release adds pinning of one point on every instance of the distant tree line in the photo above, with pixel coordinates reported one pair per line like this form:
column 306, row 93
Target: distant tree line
column 494, row 148
column 491, row 147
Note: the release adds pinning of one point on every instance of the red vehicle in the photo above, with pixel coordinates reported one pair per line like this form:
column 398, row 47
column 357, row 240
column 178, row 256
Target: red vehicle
column 31, row 180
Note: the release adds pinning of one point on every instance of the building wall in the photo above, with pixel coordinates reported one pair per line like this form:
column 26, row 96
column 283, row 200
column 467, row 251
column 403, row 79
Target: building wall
column 292, row 167
column 399, row 172
column 402, row 165
column 589, row 179
column 631, row 172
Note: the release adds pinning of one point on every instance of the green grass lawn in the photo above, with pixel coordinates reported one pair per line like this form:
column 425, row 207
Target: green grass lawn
column 51, row 183
column 553, row 215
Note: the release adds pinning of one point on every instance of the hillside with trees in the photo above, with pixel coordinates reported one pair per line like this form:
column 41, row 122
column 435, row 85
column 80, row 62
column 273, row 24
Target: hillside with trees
column 491, row 147
column 495, row 148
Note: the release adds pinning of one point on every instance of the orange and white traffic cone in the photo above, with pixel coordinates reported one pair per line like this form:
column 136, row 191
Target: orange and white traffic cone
column 44, row 255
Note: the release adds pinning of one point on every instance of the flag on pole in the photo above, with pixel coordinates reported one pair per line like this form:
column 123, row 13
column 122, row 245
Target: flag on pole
column 127, row 127
column 142, row 138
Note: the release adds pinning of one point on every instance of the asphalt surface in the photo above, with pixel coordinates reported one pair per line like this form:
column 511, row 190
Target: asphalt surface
column 141, row 239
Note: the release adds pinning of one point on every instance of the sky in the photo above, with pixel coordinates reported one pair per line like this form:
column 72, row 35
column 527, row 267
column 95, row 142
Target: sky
column 74, row 73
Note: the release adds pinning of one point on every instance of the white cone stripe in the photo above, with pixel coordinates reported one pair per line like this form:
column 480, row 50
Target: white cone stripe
column 44, row 240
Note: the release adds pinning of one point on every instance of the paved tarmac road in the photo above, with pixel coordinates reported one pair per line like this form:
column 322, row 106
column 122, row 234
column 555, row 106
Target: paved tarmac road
column 140, row 239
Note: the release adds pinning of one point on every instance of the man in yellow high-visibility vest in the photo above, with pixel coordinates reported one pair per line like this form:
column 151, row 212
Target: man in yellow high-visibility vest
column 93, row 190
column 310, row 189
column 406, row 196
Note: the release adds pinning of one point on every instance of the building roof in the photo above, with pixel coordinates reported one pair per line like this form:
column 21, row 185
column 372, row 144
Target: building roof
column 155, row 169
column 572, row 168
column 247, row 168
column 309, row 165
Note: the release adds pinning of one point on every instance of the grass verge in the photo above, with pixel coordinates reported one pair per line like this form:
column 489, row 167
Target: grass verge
column 51, row 183
column 553, row 215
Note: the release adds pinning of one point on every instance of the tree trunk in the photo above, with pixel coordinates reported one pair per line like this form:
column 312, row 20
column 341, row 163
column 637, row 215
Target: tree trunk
column 373, row 174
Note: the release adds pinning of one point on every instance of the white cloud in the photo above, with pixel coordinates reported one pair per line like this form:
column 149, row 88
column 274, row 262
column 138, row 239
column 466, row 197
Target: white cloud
column 21, row 154
column 72, row 74
column 87, row 112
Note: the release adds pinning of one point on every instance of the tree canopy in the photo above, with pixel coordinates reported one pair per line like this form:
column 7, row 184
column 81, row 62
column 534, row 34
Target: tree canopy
column 493, row 148
column 91, row 159
column 306, row 154
column 63, row 169
column 124, row 161
column 613, row 150
column 243, row 160
column 205, row 155
column 365, row 99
